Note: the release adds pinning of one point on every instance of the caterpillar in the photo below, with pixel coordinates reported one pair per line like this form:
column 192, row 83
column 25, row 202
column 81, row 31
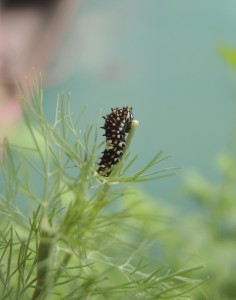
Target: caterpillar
column 117, row 124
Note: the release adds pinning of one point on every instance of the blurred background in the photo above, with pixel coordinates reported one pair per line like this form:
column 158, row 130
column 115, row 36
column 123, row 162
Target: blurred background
column 171, row 62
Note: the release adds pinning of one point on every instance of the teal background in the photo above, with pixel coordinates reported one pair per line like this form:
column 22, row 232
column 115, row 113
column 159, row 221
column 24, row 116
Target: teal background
column 160, row 57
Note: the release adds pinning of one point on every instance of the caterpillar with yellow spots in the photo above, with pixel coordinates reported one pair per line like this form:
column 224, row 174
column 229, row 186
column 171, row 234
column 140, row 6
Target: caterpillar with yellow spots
column 117, row 124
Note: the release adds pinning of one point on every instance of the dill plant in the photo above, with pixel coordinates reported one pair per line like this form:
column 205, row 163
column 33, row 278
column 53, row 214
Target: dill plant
column 68, row 233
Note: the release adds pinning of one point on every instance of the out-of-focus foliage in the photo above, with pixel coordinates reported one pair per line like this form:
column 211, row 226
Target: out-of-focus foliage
column 208, row 231
column 212, row 228
column 228, row 54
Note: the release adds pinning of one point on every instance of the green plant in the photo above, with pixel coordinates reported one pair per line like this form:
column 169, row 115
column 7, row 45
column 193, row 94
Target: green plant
column 68, row 233
column 213, row 221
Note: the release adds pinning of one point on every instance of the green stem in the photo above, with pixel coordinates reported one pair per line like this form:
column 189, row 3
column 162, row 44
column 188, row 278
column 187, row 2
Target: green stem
column 44, row 251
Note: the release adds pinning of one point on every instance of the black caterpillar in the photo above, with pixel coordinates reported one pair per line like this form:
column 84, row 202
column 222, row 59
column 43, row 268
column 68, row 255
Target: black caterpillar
column 117, row 124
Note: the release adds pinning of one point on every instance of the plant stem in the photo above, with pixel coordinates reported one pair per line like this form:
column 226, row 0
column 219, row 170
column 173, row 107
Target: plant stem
column 44, row 251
